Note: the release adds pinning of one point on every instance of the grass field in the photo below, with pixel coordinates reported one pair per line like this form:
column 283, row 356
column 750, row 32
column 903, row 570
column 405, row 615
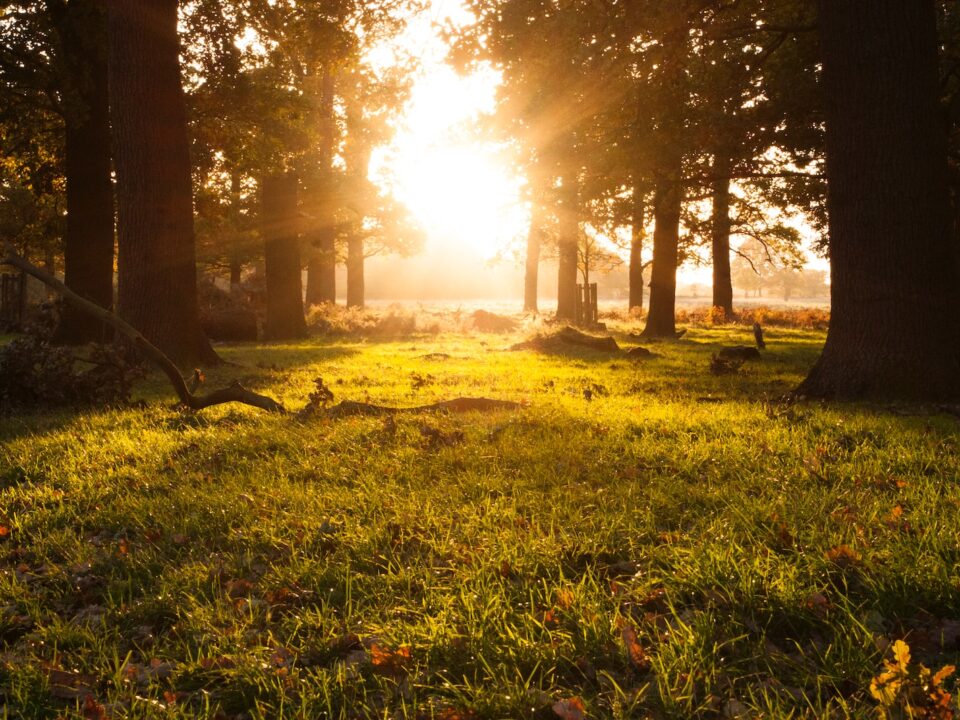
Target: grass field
column 678, row 545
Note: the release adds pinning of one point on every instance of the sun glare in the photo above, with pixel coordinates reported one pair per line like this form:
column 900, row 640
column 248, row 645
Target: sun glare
column 460, row 188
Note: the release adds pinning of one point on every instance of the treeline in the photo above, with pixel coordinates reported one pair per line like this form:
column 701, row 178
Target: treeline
column 699, row 119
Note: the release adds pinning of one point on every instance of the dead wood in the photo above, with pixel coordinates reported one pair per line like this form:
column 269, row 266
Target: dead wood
column 349, row 408
column 567, row 338
column 235, row 392
column 489, row 322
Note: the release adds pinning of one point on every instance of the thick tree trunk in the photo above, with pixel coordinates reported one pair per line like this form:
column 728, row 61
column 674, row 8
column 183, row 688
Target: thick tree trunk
column 720, row 237
column 156, row 246
column 894, row 330
column 88, row 248
column 322, row 263
column 279, row 215
column 355, row 280
column 322, row 269
column 532, row 267
column 637, row 223
column 569, row 240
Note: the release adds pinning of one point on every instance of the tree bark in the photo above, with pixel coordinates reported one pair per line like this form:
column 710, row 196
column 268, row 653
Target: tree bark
column 322, row 267
column 636, row 248
column 569, row 240
column 322, row 263
column 720, row 237
column 81, row 27
column 156, row 247
column 894, row 330
column 279, row 217
column 236, row 264
column 667, row 202
column 668, row 180
column 355, row 279
column 532, row 267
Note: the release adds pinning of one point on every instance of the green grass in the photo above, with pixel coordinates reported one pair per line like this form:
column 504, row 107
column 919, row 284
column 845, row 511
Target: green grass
column 201, row 565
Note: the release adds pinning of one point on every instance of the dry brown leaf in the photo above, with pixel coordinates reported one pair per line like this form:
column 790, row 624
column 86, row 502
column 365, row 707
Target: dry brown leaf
column 570, row 709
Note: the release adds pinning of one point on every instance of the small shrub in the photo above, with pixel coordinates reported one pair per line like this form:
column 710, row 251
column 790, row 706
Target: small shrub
column 34, row 373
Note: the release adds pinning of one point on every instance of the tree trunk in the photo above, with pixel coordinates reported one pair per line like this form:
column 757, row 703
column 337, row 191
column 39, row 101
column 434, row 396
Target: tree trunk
column 636, row 248
column 568, row 246
column 894, row 330
column 532, row 265
column 236, row 270
column 322, row 263
column 279, row 215
column 156, row 247
column 668, row 172
column 720, row 236
column 236, row 264
column 355, row 260
column 81, row 29
column 668, row 197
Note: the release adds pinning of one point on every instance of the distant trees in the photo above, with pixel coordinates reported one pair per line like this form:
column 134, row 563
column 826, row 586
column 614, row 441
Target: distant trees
column 298, row 100
column 647, row 110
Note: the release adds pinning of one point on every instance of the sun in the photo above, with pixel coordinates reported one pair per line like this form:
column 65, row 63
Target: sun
column 462, row 196
column 462, row 190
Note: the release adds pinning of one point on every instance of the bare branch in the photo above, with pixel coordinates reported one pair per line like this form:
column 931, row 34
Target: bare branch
column 235, row 392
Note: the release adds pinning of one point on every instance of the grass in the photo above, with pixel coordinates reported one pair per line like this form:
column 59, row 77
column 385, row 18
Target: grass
column 678, row 546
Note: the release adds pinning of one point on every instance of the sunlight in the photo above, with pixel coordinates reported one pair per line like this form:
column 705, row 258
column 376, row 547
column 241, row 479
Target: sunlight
column 460, row 188
column 460, row 193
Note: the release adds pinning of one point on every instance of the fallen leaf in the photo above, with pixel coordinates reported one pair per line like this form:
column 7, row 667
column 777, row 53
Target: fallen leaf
column 570, row 709
column 901, row 654
column 92, row 710
column 635, row 652
column 390, row 662
column 842, row 556
column 817, row 602
column 67, row 685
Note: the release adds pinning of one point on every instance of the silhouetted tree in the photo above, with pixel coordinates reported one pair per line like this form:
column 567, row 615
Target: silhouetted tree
column 281, row 237
column 895, row 290
column 156, row 249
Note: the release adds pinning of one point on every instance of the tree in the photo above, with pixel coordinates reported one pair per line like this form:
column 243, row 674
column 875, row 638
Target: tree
column 88, row 249
column 281, row 238
column 53, row 63
column 895, row 290
column 156, row 249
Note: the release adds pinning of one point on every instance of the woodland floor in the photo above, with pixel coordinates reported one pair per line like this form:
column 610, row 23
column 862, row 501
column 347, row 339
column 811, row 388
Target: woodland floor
column 678, row 545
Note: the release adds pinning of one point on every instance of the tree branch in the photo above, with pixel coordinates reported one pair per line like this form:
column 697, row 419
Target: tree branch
column 235, row 392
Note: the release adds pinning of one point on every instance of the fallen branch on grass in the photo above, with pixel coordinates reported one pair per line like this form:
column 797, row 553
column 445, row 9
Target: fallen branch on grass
column 348, row 408
column 235, row 392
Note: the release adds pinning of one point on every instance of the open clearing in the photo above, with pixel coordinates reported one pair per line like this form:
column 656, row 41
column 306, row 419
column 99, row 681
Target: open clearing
column 670, row 543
